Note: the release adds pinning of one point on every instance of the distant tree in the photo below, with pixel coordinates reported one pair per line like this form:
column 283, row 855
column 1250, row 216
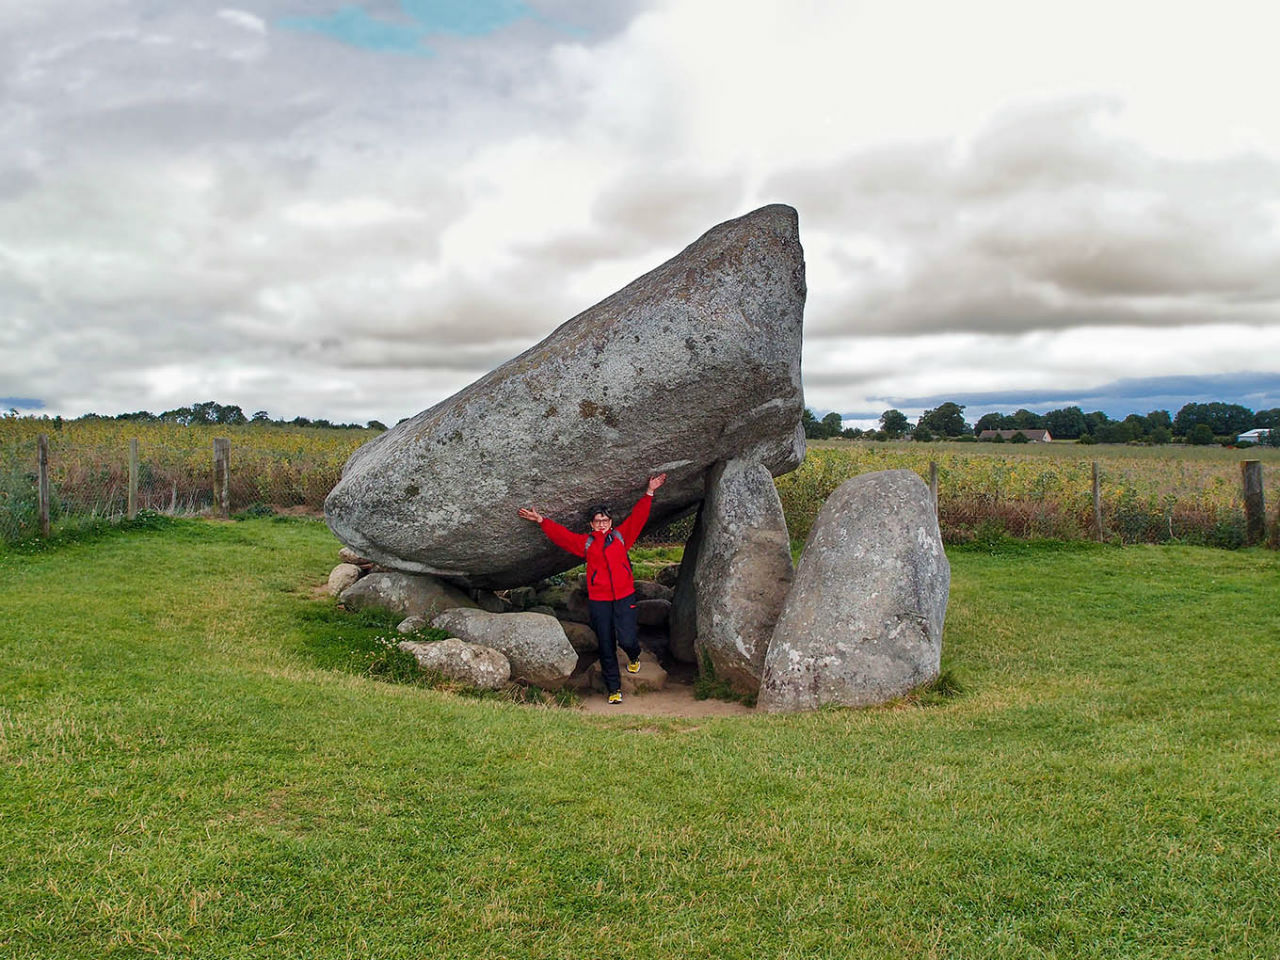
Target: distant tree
column 1025, row 420
column 894, row 423
column 1201, row 434
column 1159, row 418
column 989, row 421
column 300, row 422
column 142, row 416
column 1161, row 435
column 922, row 433
column 377, row 425
column 1223, row 419
column 260, row 416
column 998, row 438
column 1137, row 425
column 1114, row 431
column 1267, row 419
column 832, row 424
column 1087, row 438
column 1019, row 437
column 1092, row 421
column 946, row 420
column 1066, row 423
column 812, row 428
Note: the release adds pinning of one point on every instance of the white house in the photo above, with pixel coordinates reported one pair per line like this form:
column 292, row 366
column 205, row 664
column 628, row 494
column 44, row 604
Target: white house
column 1259, row 435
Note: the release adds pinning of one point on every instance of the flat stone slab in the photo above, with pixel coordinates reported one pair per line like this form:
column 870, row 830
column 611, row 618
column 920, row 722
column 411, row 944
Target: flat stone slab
column 694, row 362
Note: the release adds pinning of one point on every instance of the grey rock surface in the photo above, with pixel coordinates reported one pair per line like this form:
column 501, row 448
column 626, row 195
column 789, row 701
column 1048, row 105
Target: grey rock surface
column 683, row 621
column 650, row 677
column 535, row 644
column 694, row 362
column 742, row 573
column 649, row 590
column 407, row 594
column 581, row 637
column 653, row 613
column 413, row 624
column 863, row 620
column 469, row 663
column 343, row 576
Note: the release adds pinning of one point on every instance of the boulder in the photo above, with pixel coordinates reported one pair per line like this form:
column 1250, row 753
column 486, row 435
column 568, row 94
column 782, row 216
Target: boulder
column 683, row 624
column 343, row 576
column 488, row 600
column 413, row 624
column 694, row 362
column 653, row 613
column 581, row 637
column 468, row 663
column 521, row 598
column 649, row 590
column 406, row 594
column 668, row 575
column 742, row 572
column 862, row 623
column 535, row 644
column 650, row 677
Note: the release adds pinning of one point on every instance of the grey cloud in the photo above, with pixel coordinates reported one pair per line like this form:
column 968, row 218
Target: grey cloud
column 642, row 212
column 1044, row 221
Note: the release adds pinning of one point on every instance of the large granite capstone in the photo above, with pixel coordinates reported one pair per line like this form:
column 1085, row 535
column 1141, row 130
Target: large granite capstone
column 694, row 362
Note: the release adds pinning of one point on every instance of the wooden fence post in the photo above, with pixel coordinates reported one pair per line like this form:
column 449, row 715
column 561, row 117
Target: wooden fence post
column 1097, row 503
column 1255, row 511
column 133, row 477
column 933, row 484
column 42, row 473
column 222, row 477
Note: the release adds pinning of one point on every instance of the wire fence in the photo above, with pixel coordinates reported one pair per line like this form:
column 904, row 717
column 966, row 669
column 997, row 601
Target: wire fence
column 287, row 472
column 92, row 482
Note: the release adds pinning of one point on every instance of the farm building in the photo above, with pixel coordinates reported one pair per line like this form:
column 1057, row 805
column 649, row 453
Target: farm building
column 1035, row 436
column 1260, row 435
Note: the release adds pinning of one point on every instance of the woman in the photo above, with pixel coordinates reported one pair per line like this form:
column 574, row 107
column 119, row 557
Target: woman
column 611, row 589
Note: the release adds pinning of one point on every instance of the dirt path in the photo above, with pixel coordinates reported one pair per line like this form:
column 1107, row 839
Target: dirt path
column 676, row 700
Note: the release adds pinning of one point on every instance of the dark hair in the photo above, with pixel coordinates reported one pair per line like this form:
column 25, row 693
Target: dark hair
column 599, row 508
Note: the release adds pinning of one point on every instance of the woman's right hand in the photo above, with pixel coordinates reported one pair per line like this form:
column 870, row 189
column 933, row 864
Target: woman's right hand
column 533, row 515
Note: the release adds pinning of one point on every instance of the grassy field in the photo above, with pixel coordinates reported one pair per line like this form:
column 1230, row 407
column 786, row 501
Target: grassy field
column 179, row 776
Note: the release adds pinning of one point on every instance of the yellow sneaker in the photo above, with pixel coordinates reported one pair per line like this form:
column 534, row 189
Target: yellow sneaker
column 633, row 666
column 615, row 697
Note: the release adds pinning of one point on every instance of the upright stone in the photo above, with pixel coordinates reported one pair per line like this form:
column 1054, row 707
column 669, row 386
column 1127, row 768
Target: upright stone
column 743, row 572
column 682, row 628
column 696, row 361
column 862, row 623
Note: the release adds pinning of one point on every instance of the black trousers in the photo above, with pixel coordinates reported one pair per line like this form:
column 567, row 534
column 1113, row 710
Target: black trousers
column 614, row 622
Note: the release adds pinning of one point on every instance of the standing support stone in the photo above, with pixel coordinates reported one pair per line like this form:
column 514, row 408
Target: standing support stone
column 743, row 572
column 42, row 443
column 1255, row 510
column 222, row 477
column 1097, row 503
column 683, row 624
column 862, row 622
column 133, row 478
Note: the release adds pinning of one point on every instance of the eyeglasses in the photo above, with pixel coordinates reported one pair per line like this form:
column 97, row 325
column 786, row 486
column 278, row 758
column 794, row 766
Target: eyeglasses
column 600, row 521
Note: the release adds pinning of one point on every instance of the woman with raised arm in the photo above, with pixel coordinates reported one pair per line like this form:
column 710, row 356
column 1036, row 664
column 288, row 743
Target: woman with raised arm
column 611, row 589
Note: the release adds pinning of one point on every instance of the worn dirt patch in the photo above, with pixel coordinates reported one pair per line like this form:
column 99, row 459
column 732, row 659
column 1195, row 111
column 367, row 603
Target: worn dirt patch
column 676, row 700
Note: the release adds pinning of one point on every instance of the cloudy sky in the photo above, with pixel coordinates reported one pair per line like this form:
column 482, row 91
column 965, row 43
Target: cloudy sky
column 351, row 210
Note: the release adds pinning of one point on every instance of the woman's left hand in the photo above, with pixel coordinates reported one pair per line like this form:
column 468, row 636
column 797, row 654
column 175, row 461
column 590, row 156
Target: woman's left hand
column 656, row 482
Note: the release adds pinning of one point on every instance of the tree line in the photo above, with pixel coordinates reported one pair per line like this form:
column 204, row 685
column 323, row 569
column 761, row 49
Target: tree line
column 1194, row 423
column 210, row 413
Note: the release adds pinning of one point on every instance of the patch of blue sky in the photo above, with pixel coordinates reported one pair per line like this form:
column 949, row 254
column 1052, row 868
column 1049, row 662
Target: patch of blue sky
column 355, row 26
column 21, row 403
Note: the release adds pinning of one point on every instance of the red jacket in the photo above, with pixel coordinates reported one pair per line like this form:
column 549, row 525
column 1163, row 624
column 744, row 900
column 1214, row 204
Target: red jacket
column 608, row 567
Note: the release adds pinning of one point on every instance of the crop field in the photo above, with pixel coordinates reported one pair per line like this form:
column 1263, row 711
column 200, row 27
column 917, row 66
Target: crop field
column 196, row 762
column 1149, row 494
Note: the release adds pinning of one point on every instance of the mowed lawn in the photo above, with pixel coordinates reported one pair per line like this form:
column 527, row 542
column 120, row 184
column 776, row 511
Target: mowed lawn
column 178, row 777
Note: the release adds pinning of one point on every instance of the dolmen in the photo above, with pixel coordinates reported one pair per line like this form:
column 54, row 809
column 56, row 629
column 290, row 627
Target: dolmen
column 692, row 370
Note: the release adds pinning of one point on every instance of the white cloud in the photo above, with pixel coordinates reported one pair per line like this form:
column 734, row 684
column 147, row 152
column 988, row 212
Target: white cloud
column 1010, row 184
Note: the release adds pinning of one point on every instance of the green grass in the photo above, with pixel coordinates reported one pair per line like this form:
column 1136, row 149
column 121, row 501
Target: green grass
column 180, row 777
